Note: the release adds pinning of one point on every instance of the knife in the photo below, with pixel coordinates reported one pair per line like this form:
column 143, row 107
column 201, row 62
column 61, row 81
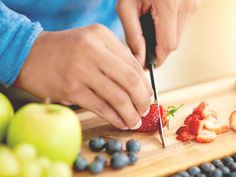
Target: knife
column 150, row 41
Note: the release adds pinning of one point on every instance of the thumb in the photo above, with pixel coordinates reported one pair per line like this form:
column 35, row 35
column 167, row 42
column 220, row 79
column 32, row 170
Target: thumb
column 129, row 16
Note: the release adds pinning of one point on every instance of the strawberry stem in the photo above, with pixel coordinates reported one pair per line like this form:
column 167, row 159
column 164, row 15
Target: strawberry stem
column 171, row 110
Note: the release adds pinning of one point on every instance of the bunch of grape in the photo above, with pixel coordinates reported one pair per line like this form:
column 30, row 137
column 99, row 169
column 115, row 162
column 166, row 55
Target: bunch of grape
column 22, row 161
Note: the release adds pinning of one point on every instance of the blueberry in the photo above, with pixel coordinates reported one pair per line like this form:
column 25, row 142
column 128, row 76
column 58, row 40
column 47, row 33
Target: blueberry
column 96, row 144
column 207, row 168
column 232, row 166
column 200, row 175
column 225, row 170
column 217, row 173
column 80, row 163
column 132, row 158
column 217, row 163
column 133, row 146
column 228, row 160
column 234, row 157
column 96, row 167
column 113, row 146
column 183, row 174
column 119, row 160
column 194, row 171
column 232, row 174
column 100, row 158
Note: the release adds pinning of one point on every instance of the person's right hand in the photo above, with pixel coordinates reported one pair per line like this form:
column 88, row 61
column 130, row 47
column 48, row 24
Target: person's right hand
column 88, row 67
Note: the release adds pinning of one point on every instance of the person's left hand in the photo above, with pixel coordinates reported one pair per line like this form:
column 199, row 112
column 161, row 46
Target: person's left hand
column 170, row 19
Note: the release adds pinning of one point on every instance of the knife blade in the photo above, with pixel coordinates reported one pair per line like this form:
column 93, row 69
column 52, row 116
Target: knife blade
column 150, row 42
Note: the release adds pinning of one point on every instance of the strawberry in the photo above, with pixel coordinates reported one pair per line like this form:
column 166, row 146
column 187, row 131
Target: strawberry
column 196, row 126
column 184, row 136
column 205, row 136
column 183, row 133
column 188, row 119
column 182, row 129
column 150, row 123
column 212, row 124
column 203, row 111
column 232, row 120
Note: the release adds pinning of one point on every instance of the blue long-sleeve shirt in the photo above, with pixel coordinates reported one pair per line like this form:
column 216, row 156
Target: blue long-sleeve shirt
column 22, row 21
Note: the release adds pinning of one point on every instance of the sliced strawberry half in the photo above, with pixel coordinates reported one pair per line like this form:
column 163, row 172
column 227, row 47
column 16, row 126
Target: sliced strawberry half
column 203, row 111
column 182, row 129
column 232, row 120
column 206, row 136
column 190, row 117
column 214, row 125
column 196, row 126
column 184, row 136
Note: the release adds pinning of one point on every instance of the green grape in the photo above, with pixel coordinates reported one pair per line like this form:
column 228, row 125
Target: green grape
column 44, row 163
column 25, row 152
column 30, row 169
column 59, row 169
column 9, row 165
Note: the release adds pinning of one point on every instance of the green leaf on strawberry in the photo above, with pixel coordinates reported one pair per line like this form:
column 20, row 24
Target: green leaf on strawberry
column 171, row 110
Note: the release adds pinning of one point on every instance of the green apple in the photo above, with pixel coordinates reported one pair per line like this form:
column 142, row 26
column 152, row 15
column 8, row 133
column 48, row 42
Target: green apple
column 54, row 131
column 6, row 113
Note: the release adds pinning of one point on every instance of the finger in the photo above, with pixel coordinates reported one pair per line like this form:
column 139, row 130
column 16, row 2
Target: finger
column 182, row 23
column 129, row 16
column 89, row 100
column 165, row 21
column 128, row 79
column 117, row 98
column 123, row 53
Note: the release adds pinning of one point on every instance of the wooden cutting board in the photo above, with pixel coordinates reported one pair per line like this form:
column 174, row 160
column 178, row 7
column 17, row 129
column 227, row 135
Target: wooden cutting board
column 153, row 159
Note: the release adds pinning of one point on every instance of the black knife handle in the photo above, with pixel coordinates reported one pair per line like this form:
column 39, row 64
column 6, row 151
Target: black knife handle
column 150, row 38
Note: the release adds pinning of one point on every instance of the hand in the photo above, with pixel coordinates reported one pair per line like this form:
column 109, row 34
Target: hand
column 170, row 19
column 88, row 67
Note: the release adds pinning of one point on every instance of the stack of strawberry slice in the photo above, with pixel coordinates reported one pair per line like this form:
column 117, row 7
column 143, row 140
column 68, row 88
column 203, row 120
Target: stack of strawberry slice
column 202, row 125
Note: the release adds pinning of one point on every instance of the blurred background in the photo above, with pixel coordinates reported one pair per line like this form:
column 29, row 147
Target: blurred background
column 207, row 50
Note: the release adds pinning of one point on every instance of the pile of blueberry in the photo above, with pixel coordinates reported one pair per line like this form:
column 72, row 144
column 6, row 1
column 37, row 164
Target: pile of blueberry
column 217, row 168
column 113, row 147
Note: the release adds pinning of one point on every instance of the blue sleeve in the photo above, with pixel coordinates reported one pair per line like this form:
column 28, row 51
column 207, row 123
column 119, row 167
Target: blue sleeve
column 17, row 35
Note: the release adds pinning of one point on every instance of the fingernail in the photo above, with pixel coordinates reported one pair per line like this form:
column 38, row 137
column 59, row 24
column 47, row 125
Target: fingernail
column 146, row 112
column 139, row 123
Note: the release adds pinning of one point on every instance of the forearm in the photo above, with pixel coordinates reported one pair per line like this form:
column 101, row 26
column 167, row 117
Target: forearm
column 17, row 35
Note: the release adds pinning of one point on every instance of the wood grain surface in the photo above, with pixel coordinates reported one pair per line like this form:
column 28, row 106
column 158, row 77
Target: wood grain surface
column 153, row 159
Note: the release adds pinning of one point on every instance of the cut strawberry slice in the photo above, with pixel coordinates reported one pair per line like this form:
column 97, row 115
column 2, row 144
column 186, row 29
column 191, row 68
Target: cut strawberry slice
column 196, row 126
column 206, row 136
column 232, row 120
column 182, row 129
column 184, row 136
column 212, row 124
column 188, row 119
column 203, row 111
